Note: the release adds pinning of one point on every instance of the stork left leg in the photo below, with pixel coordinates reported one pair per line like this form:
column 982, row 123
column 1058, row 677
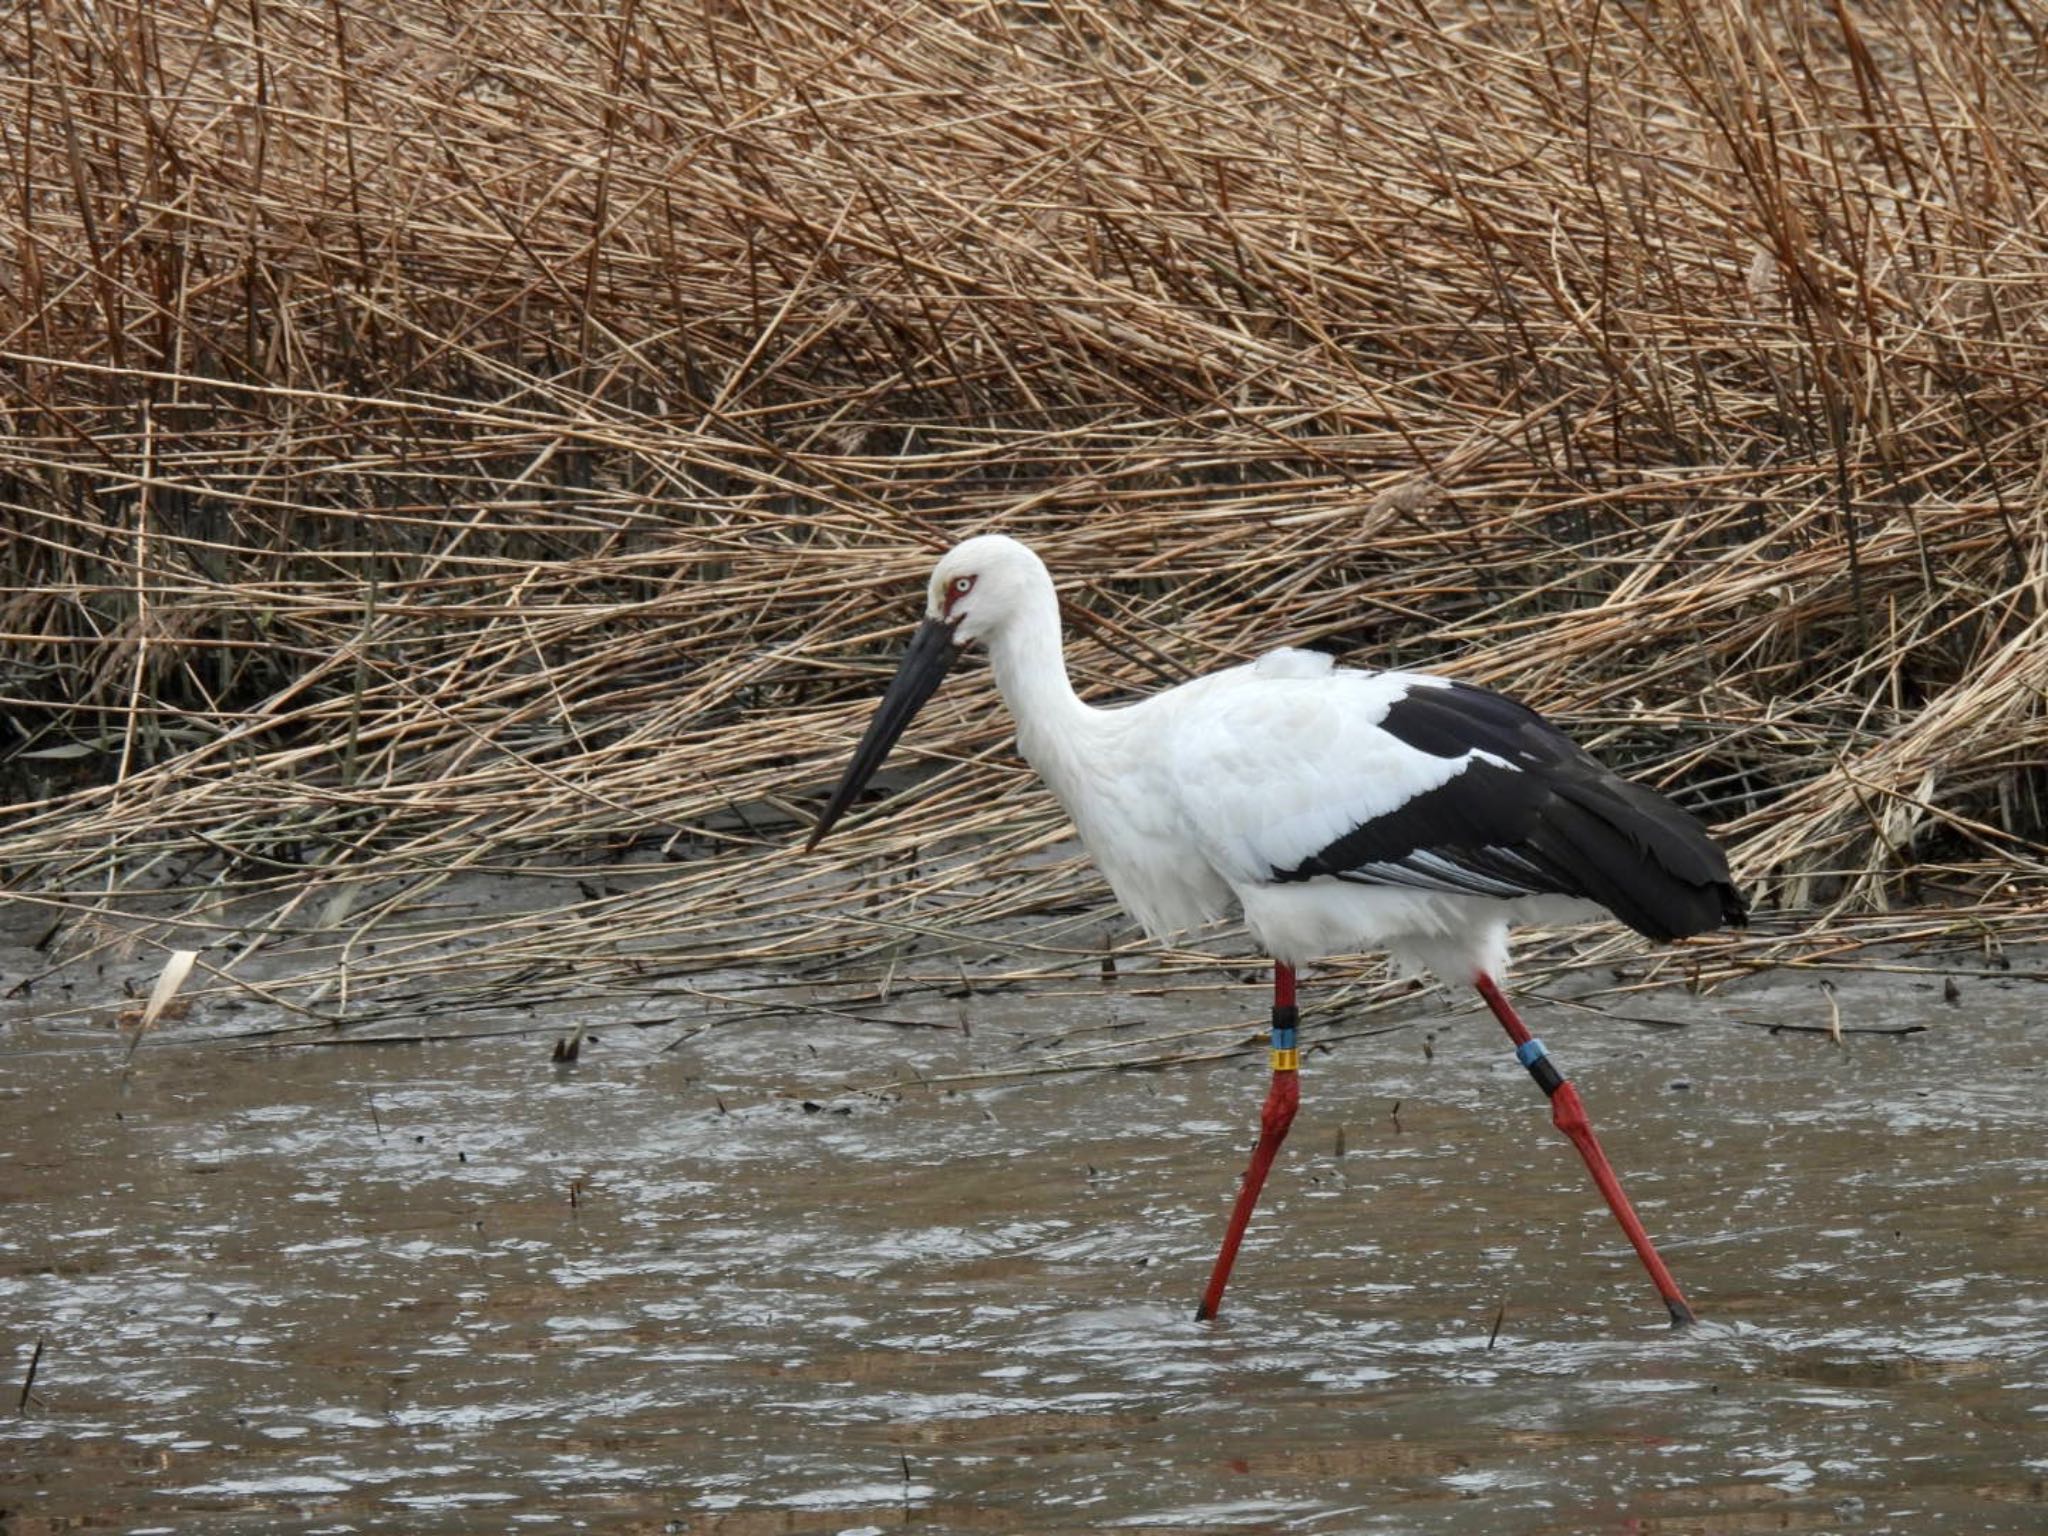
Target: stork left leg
column 1569, row 1116
column 1282, row 1099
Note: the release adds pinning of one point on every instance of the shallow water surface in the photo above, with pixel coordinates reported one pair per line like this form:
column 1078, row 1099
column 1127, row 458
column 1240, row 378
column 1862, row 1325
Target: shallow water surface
column 457, row 1288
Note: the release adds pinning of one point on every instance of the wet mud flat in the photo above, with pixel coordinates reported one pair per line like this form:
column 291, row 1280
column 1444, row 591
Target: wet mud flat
column 718, row 1288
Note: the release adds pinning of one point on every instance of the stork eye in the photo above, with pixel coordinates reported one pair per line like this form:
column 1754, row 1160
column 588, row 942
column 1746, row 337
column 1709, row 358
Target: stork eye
column 962, row 585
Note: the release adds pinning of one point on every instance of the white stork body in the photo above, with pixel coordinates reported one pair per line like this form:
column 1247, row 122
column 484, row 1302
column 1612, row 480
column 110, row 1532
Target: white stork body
column 1339, row 809
column 1237, row 786
column 1190, row 799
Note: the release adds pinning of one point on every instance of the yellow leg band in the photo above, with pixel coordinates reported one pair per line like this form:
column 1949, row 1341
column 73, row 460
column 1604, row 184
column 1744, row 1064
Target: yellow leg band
column 1286, row 1061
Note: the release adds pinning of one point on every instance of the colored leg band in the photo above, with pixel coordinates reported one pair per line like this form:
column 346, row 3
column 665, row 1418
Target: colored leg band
column 1286, row 1057
column 1530, row 1053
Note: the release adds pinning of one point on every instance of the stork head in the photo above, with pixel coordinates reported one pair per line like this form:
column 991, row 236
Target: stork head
column 981, row 583
column 978, row 587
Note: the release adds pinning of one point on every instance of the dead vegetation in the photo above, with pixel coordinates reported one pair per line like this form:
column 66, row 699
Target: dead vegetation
column 449, row 440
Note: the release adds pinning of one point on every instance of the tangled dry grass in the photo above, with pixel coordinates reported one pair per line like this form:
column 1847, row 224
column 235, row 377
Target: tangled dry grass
column 449, row 440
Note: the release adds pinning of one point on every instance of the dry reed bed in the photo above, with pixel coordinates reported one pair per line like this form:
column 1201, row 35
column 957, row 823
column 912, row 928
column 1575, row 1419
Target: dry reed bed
column 442, row 442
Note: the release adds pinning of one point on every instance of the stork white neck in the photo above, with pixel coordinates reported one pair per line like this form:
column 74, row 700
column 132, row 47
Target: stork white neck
column 1091, row 760
column 996, row 592
column 1026, row 653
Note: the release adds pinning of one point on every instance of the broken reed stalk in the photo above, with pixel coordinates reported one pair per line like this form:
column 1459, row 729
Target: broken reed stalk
column 502, row 440
column 28, row 1382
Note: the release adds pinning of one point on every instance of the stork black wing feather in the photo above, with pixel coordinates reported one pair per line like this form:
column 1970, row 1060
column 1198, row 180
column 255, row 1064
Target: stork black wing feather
column 1533, row 815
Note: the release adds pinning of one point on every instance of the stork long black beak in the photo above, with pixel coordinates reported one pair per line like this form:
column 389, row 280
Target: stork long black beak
column 931, row 653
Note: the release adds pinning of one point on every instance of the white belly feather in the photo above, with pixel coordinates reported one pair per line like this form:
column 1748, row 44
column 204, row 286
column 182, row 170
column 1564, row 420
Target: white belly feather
column 1130, row 823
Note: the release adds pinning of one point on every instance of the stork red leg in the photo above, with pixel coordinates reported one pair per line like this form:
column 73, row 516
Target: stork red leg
column 1282, row 1099
column 1569, row 1116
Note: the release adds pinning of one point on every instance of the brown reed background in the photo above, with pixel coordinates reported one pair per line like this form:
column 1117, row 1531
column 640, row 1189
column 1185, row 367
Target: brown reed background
column 451, row 439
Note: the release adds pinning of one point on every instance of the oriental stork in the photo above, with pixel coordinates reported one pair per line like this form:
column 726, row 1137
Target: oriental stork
column 1336, row 809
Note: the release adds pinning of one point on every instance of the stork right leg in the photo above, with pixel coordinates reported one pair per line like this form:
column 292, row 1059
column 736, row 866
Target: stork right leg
column 1568, row 1114
column 1282, row 1099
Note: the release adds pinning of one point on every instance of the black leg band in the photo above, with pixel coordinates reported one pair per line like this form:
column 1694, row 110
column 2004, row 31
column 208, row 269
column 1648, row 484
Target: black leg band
column 1532, row 1055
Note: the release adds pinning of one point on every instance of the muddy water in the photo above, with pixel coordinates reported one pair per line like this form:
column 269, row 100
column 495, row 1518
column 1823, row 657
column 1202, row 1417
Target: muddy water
column 456, row 1288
